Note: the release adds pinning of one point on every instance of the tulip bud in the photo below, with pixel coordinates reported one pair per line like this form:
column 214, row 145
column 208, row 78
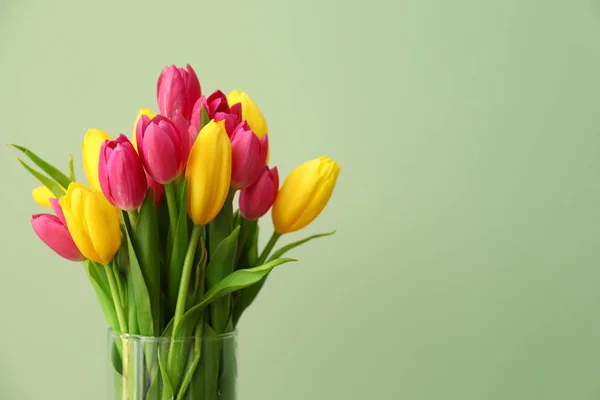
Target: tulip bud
column 121, row 174
column 250, row 112
column 218, row 109
column 177, row 90
column 255, row 200
column 53, row 231
column 159, row 146
column 248, row 156
column 93, row 223
column 209, row 173
column 143, row 111
column 42, row 195
column 92, row 142
column 304, row 194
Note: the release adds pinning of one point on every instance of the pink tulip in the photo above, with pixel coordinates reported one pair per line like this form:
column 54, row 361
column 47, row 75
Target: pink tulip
column 160, row 147
column 218, row 109
column 256, row 200
column 177, row 91
column 248, row 156
column 121, row 174
column 54, row 233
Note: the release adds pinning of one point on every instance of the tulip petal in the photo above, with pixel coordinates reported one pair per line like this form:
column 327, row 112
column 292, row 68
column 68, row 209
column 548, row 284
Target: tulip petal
column 94, row 138
column 42, row 195
column 304, row 194
column 56, row 236
column 209, row 173
column 143, row 111
column 72, row 205
column 58, row 211
column 103, row 226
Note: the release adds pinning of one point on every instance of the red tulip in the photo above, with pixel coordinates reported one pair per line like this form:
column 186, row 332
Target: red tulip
column 256, row 199
column 121, row 174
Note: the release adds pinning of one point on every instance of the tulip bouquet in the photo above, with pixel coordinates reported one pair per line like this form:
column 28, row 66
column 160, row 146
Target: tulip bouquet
column 155, row 227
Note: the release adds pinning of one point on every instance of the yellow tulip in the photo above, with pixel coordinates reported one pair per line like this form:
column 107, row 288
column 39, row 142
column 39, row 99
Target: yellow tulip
column 92, row 222
column 304, row 194
column 143, row 111
column 91, row 155
column 250, row 112
column 42, row 196
column 209, row 173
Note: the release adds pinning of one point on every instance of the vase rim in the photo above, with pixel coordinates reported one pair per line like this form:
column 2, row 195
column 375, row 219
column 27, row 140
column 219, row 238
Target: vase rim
column 154, row 339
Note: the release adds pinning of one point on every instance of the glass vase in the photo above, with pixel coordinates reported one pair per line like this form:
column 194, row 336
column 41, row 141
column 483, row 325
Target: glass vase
column 162, row 368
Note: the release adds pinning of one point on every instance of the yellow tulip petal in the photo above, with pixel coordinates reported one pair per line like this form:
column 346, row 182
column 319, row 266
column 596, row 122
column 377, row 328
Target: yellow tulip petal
column 94, row 138
column 250, row 112
column 304, row 194
column 294, row 195
column 320, row 197
column 42, row 195
column 209, row 173
column 103, row 226
column 72, row 204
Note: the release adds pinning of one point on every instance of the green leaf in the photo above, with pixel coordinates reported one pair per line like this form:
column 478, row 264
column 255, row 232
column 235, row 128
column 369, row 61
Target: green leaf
column 168, row 391
column 205, row 117
column 192, row 362
column 221, row 265
column 205, row 380
column 247, row 244
column 196, row 288
column 100, row 285
column 71, row 169
column 247, row 296
column 48, row 168
column 291, row 246
column 180, row 245
column 235, row 281
column 49, row 183
column 142, row 297
column 220, row 227
column 228, row 368
column 132, row 319
column 147, row 247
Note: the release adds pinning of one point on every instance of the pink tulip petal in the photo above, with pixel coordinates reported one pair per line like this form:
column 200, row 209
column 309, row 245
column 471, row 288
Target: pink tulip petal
column 55, row 235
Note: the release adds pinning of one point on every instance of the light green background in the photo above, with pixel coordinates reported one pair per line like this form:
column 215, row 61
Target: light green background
column 467, row 260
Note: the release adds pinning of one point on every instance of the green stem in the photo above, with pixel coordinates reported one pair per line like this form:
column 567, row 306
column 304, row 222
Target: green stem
column 263, row 256
column 115, row 297
column 244, row 228
column 172, row 205
column 133, row 214
column 120, row 286
column 185, row 276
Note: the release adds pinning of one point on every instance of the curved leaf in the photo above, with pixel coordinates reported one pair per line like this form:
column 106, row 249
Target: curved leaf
column 237, row 280
column 147, row 246
column 180, row 245
column 142, row 297
column 62, row 179
column 49, row 183
column 293, row 245
column 103, row 293
column 220, row 265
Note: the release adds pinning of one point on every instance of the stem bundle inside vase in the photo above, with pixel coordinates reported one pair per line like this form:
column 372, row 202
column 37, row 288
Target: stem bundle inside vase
column 167, row 229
